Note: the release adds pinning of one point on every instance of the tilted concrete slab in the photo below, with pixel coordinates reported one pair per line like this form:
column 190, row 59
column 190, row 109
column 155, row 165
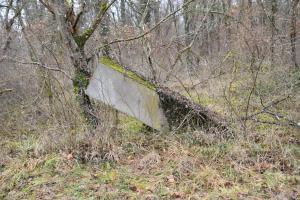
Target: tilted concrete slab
column 156, row 106
column 128, row 93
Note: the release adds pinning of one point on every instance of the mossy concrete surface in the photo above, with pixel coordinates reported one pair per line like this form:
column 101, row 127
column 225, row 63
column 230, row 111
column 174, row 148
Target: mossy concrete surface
column 156, row 106
column 130, row 74
column 127, row 92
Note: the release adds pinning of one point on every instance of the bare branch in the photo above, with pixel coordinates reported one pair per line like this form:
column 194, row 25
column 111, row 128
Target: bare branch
column 149, row 30
column 47, row 6
column 3, row 6
column 265, row 108
column 5, row 91
column 83, row 37
column 79, row 15
column 37, row 64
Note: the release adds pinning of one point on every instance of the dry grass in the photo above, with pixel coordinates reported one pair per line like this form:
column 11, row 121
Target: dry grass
column 264, row 165
column 59, row 157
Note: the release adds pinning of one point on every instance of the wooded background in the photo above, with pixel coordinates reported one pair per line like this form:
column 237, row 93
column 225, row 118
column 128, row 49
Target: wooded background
column 239, row 58
column 47, row 48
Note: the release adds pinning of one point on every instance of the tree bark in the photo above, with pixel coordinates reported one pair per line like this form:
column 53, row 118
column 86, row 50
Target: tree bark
column 104, row 30
column 123, row 12
column 75, row 43
column 273, row 30
column 156, row 11
column 9, row 22
column 293, row 33
column 188, row 35
column 145, row 12
column 226, row 9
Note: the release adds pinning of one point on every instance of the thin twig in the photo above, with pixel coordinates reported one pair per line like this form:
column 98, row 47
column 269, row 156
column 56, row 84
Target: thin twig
column 38, row 64
column 5, row 91
column 265, row 108
column 148, row 31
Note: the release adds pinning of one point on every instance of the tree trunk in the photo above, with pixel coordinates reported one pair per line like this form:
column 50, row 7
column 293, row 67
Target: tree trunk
column 187, row 21
column 75, row 45
column 293, row 33
column 145, row 12
column 104, row 30
column 123, row 12
column 187, row 31
column 227, row 23
column 156, row 10
column 10, row 15
column 242, row 6
column 273, row 30
column 80, row 83
column 251, row 19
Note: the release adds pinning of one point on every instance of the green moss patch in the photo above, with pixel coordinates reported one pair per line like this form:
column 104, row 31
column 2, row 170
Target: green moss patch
column 130, row 124
column 82, row 38
column 130, row 74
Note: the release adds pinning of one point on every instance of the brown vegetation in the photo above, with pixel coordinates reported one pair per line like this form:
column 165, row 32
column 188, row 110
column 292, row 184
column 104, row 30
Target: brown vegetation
column 238, row 58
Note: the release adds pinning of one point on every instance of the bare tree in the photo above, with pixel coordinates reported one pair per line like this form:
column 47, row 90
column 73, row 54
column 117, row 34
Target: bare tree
column 293, row 32
column 273, row 29
column 144, row 11
column 16, row 8
column 75, row 41
column 123, row 12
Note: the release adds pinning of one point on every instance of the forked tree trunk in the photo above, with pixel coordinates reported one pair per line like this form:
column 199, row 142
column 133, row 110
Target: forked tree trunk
column 80, row 82
column 75, row 46
column 145, row 11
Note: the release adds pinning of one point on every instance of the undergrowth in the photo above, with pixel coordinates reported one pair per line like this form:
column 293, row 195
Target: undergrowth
column 59, row 157
column 137, row 165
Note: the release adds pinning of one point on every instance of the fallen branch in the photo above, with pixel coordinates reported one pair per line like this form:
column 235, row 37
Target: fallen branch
column 265, row 108
column 296, row 125
column 276, row 116
column 5, row 91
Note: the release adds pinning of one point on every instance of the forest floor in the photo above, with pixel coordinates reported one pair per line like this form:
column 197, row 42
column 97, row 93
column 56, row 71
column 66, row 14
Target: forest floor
column 263, row 164
column 191, row 165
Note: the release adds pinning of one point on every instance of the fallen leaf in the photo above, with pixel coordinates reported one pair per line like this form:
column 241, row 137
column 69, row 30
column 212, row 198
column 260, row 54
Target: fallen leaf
column 171, row 179
column 133, row 188
column 176, row 195
column 69, row 156
column 228, row 184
